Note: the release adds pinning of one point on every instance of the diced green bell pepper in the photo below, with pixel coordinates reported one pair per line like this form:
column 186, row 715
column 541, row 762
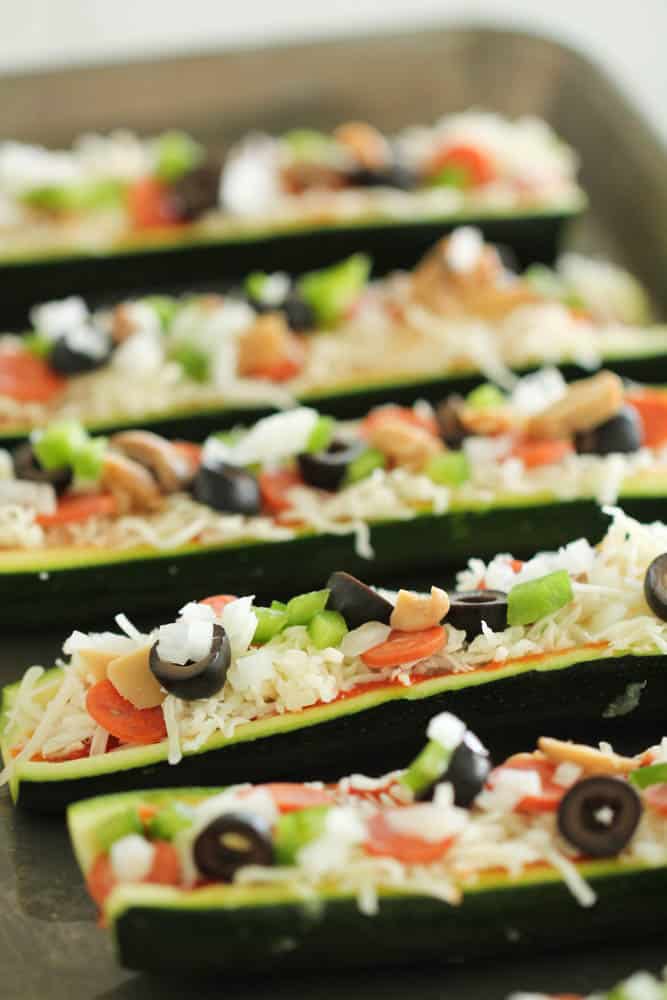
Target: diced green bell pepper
column 59, row 443
column 449, row 468
column 535, row 599
column 169, row 821
column 486, row 396
column 38, row 345
column 309, row 145
column 166, row 307
column 270, row 621
column 427, row 768
column 652, row 774
column 88, row 460
column 330, row 291
column 321, row 434
column 194, row 362
column 118, row 826
column 176, row 154
column 364, row 465
column 295, row 830
column 327, row 628
column 302, row 608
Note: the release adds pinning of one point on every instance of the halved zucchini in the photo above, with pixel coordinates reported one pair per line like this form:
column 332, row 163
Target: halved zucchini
column 144, row 261
column 259, row 929
column 564, row 693
column 87, row 583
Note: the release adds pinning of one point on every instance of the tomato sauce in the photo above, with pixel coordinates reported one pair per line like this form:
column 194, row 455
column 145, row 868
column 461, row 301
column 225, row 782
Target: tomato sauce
column 369, row 686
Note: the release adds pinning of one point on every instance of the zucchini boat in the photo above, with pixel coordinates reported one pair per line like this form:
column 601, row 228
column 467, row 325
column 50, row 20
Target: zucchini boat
column 86, row 524
column 441, row 861
column 116, row 209
column 331, row 337
column 346, row 675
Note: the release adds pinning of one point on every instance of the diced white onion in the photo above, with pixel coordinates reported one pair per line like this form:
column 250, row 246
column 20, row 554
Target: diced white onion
column 53, row 319
column 447, row 730
column 275, row 438
column 185, row 641
column 358, row 640
column 131, row 858
column 463, row 249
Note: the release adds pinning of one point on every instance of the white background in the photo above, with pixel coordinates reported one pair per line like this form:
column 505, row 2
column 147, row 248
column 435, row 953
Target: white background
column 627, row 37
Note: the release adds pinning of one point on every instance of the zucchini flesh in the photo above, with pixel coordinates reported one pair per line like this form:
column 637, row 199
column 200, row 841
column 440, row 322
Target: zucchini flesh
column 533, row 235
column 376, row 730
column 80, row 586
column 237, row 929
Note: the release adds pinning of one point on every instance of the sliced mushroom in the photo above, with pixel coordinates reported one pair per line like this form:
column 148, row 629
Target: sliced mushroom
column 404, row 443
column 169, row 466
column 132, row 485
column 366, row 144
column 485, row 420
column 305, row 175
column 132, row 677
column 266, row 344
column 588, row 758
column 121, row 325
column 483, row 289
column 586, row 403
column 415, row 612
column 91, row 664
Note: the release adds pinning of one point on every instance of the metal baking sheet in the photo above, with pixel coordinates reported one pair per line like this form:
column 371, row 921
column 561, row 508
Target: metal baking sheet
column 49, row 944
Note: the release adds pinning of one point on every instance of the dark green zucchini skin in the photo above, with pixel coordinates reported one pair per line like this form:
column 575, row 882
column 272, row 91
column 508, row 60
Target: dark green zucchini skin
column 532, row 237
column 510, row 921
column 354, row 402
column 433, row 544
column 508, row 714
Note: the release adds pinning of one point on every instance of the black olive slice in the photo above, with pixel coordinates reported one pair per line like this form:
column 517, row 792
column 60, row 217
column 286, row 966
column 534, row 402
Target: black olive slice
column 394, row 175
column 469, row 608
column 655, row 586
column 326, row 469
column 27, row 466
column 450, row 425
column 200, row 679
column 196, row 192
column 621, row 433
column 298, row 313
column 231, row 842
column 227, row 488
column 357, row 602
column 468, row 770
column 67, row 357
column 599, row 815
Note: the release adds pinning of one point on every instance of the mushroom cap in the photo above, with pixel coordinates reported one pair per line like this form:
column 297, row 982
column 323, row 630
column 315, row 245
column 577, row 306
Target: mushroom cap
column 169, row 466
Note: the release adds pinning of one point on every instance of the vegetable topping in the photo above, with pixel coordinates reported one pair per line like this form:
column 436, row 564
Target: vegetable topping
column 655, row 586
column 468, row 611
column 357, row 602
column 231, row 842
column 530, row 601
column 453, row 754
column 621, row 434
column 227, row 488
column 599, row 815
column 191, row 658
column 28, row 467
column 327, row 469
